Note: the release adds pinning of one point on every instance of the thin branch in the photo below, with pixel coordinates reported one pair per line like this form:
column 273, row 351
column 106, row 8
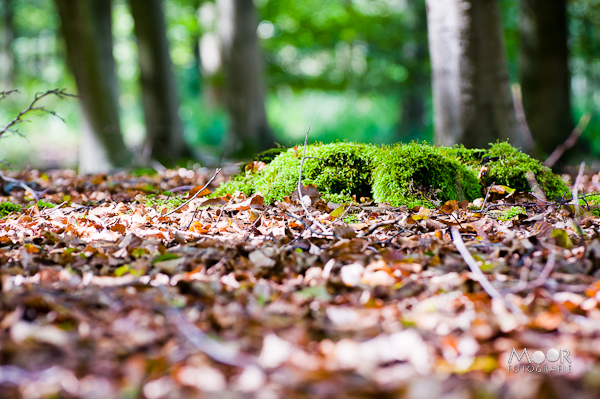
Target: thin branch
column 576, row 188
column 205, row 344
column 380, row 224
column 307, row 225
column 300, row 185
column 197, row 193
column 569, row 142
column 486, row 197
column 32, row 108
column 481, row 278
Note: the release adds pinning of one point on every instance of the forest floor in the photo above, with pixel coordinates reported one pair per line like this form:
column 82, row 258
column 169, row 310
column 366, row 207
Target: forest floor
column 109, row 290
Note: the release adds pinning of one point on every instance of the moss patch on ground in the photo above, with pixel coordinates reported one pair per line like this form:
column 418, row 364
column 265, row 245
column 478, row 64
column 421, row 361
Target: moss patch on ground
column 415, row 174
column 6, row 208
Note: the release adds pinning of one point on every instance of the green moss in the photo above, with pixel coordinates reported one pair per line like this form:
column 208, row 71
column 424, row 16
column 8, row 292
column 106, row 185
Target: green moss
column 338, row 168
column 509, row 167
column 413, row 174
column 160, row 202
column 512, row 212
column 6, row 208
column 43, row 204
column 422, row 175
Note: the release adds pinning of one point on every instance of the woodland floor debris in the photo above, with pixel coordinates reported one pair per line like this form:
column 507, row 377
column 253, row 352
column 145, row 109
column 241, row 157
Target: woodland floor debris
column 105, row 295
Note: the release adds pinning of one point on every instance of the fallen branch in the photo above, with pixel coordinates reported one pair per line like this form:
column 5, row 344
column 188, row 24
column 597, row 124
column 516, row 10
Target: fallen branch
column 308, row 227
column 197, row 193
column 481, row 278
column 569, row 142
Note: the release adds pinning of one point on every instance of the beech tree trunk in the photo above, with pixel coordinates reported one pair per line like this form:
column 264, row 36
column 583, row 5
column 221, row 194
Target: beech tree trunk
column 471, row 91
column 7, row 63
column 416, row 88
column 245, row 92
column 164, row 129
column 86, row 27
column 544, row 70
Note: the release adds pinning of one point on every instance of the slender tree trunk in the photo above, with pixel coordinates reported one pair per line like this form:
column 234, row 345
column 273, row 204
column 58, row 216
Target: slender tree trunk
column 413, row 105
column 86, row 26
column 471, row 92
column 164, row 130
column 7, row 62
column 544, row 67
column 249, row 130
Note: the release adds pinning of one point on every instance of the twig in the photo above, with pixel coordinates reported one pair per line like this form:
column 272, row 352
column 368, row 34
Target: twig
column 23, row 185
column 201, row 341
column 307, row 226
column 486, row 197
column 481, row 278
column 300, row 185
column 32, row 107
column 197, row 193
column 380, row 224
column 569, row 142
column 576, row 188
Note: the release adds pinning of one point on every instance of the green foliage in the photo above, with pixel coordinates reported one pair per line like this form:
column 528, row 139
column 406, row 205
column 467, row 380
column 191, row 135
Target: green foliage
column 422, row 175
column 508, row 166
column 512, row 212
column 6, row 208
column 162, row 201
column 43, row 204
column 414, row 174
column 339, row 168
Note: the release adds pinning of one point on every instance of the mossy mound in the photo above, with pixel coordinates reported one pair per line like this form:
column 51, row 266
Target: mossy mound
column 508, row 166
column 421, row 174
column 339, row 169
column 402, row 174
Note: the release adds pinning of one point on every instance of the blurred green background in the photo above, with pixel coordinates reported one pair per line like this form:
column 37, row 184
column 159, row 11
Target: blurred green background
column 352, row 68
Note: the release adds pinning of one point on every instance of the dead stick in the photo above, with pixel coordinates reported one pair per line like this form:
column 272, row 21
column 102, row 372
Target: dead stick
column 481, row 278
column 197, row 193
column 569, row 142
column 300, row 186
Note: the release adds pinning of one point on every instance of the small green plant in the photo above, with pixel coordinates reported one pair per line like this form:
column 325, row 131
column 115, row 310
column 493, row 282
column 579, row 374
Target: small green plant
column 6, row 208
column 351, row 219
column 43, row 204
column 159, row 201
column 512, row 212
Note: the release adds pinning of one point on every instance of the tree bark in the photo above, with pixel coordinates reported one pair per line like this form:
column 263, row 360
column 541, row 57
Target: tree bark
column 544, row 70
column 7, row 62
column 249, row 130
column 416, row 88
column 164, row 129
column 471, row 91
column 86, row 27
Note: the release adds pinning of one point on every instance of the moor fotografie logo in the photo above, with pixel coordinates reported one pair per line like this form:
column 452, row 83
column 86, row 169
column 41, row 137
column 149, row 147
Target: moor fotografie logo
column 553, row 361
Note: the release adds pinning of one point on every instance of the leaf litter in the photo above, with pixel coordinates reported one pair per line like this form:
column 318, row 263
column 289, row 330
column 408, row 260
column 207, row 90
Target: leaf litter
column 130, row 286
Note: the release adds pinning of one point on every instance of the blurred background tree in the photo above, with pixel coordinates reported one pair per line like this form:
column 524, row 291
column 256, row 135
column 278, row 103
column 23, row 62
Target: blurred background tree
column 355, row 69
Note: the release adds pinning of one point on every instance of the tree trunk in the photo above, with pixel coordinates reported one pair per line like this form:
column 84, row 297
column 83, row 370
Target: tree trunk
column 471, row 92
column 416, row 88
column 7, row 62
column 544, row 69
column 164, row 130
column 249, row 130
column 86, row 27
